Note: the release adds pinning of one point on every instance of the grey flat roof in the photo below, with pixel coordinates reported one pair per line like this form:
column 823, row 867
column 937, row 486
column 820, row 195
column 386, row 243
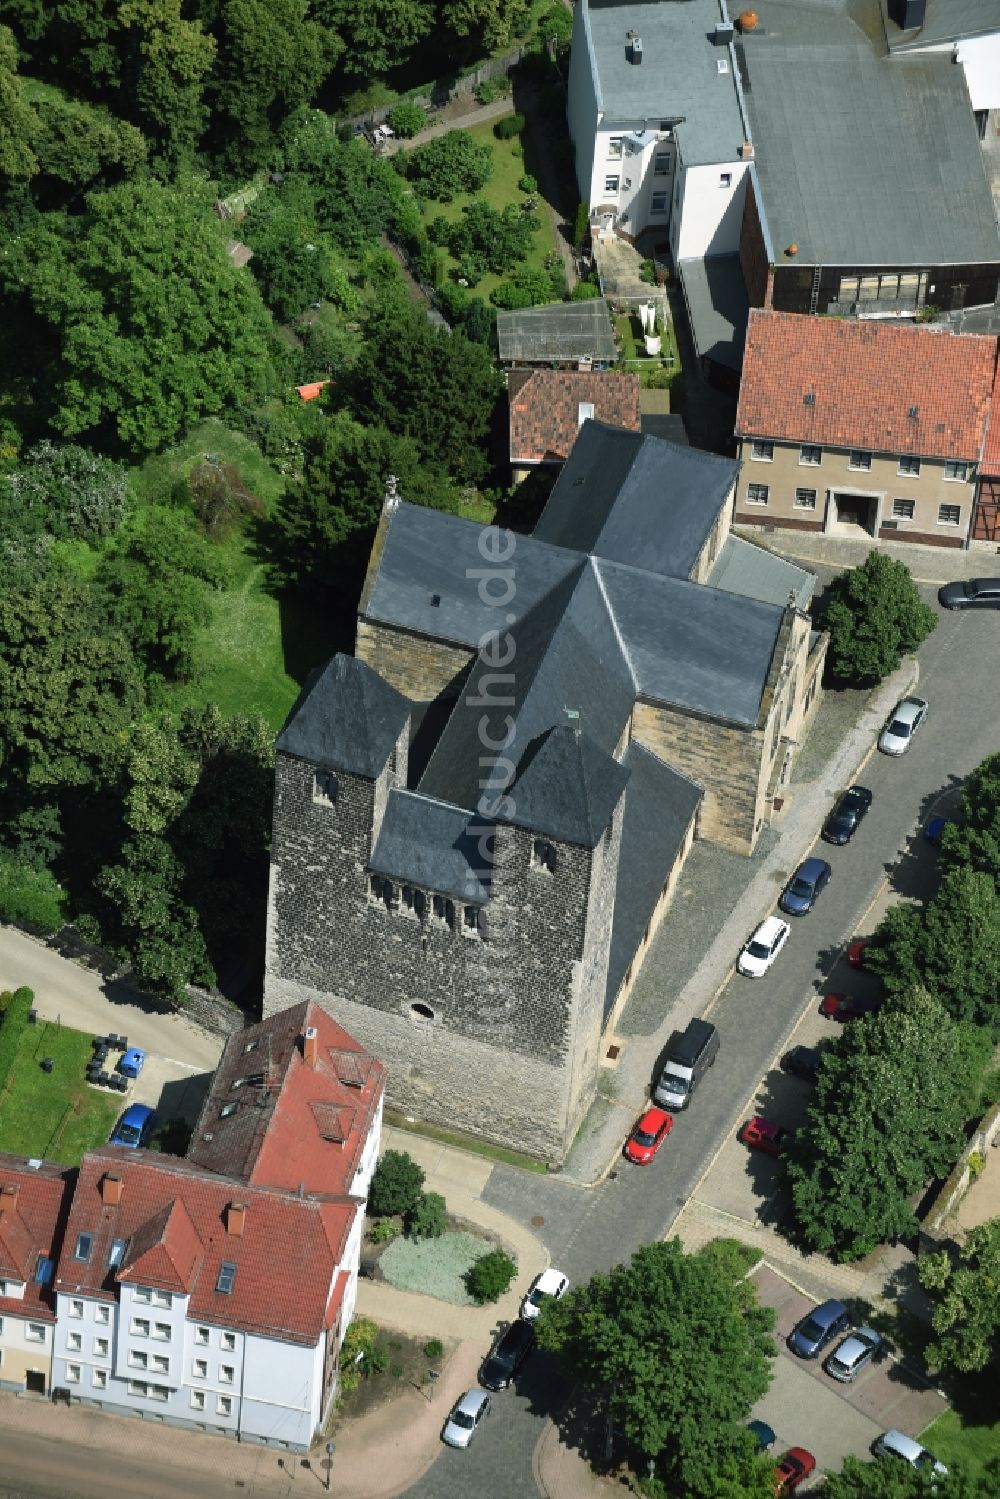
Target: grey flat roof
column 946, row 21
column 433, row 845
column 567, row 331
column 692, row 646
column 430, row 555
column 636, row 499
column 678, row 77
column 658, row 809
column 863, row 159
column 755, row 573
column 345, row 718
column 719, row 307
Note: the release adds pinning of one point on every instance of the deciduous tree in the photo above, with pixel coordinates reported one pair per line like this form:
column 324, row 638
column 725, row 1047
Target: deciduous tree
column 875, row 616
column 377, row 35
column 974, row 839
column 966, row 1301
column 448, row 165
column 18, row 123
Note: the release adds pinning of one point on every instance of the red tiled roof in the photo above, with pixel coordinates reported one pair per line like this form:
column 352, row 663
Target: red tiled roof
column 991, row 453
column 296, row 1125
column 865, row 378
column 545, row 409
column 31, row 1227
column 287, row 1256
column 310, row 391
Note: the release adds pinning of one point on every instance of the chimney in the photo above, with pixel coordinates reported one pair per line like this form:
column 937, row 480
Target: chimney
column 236, row 1213
column 111, row 1189
column 908, row 14
column 746, row 151
column 636, row 50
column 584, row 412
column 310, row 1046
column 8, row 1198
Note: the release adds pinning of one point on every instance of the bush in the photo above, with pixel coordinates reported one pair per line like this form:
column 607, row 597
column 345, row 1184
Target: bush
column 406, row 119
column 384, row 1230
column 511, row 125
column 492, row 89
column 66, row 491
column 583, row 291
column 15, row 1018
column 29, row 895
column 450, row 164
column 359, row 1355
column 490, row 1276
column 647, row 272
column 220, row 498
column 556, row 26
column 581, row 226
column 526, row 288
column 433, row 1349
column 428, row 1218
column 396, row 1184
column 528, row 184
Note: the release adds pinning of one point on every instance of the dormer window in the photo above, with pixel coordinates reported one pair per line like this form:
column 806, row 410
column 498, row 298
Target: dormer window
column 229, row 1108
column 84, row 1244
column 325, row 788
column 116, row 1253
column 543, row 856
column 227, row 1278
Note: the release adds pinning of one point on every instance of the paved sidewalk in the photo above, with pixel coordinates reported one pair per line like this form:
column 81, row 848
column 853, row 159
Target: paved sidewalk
column 927, row 564
column 598, row 1145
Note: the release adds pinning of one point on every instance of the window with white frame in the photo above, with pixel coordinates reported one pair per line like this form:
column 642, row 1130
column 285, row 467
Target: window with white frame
column 908, row 465
column 137, row 1359
column 101, row 1346
column 99, row 1378
column 227, row 1342
column 661, row 164
column 159, row 1364
column 805, row 499
column 810, row 455
column 761, row 451
column 902, row 509
column 76, row 1309
column 949, row 515
column 74, row 1342
column 198, row 1400
column 84, row 1244
column 35, row 1332
column 611, row 184
column 139, row 1327
column 159, row 1392
column 102, row 1315
column 143, row 1294
column 956, row 472
column 615, row 145
column 725, row 179
column 138, row 1387
column 658, row 203
column 757, row 494
column 859, row 458
column 201, row 1335
column 72, row 1373
column 162, row 1298
column 161, row 1330
column 200, row 1368
column 226, row 1373
column 224, row 1405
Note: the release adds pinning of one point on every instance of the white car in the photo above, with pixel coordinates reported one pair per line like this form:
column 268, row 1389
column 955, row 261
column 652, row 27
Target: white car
column 466, row 1417
column 903, row 722
column 898, row 1444
column 548, row 1286
column 763, row 947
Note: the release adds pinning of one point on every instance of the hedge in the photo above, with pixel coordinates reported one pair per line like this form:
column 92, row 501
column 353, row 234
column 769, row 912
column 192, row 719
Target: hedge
column 12, row 1026
column 31, row 896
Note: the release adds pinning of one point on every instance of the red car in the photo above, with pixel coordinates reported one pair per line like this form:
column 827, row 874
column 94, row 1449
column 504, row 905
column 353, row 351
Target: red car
column 847, row 1006
column 791, row 1469
column 648, row 1135
column 856, row 952
column 765, row 1135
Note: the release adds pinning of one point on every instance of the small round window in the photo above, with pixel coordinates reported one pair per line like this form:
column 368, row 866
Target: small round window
column 421, row 1012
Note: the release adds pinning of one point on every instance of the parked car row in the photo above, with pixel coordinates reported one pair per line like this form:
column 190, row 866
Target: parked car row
column 505, row 1358
column 690, row 1054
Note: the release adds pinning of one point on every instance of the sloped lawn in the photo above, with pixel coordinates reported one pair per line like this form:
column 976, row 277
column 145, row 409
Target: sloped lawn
column 55, row 1115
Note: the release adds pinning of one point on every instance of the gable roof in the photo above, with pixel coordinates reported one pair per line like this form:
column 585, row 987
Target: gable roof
column 545, row 409
column 259, row 1122
column 852, row 144
column 563, row 332
column 176, row 1216
column 345, row 718
column 34, row 1202
column 866, row 378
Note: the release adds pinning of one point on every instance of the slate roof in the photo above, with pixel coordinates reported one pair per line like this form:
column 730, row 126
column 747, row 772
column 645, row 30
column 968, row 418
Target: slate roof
column 658, row 811
column 852, row 145
column 34, row 1202
column 636, row 499
column 866, row 378
column 436, row 846
column 744, row 568
column 677, row 79
column 258, row 1123
column 717, row 302
column 545, row 407
column 560, row 334
column 991, row 450
column 566, row 786
column 345, row 718
column 177, row 1216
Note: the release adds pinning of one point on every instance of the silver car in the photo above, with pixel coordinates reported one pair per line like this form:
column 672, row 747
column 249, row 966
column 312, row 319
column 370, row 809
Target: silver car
column 904, row 721
column 854, row 1354
column 467, row 1415
column 896, row 1443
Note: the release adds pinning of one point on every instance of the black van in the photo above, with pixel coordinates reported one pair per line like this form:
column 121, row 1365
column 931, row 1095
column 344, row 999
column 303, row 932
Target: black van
column 688, row 1059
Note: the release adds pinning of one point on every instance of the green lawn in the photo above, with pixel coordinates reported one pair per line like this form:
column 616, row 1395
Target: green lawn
column 54, row 1115
column 951, row 1438
column 501, row 189
column 155, row 479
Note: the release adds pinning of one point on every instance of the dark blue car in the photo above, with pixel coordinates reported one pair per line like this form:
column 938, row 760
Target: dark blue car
column 134, row 1127
column 811, row 1335
column 802, row 890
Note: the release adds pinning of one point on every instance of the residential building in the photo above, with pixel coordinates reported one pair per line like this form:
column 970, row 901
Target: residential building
column 34, row 1200
column 853, row 426
column 479, row 820
column 986, row 520
column 563, row 335
column 212, row 1291
column 867, row 193
column 548, row 408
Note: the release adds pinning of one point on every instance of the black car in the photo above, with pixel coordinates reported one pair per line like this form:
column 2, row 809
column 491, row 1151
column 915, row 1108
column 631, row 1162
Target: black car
column 974, row 593
column 507, row 1355
column 802, row 1061
column 842, row 823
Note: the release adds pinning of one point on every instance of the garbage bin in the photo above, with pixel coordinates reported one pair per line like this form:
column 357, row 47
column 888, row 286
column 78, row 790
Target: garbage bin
column 47, row 1064
column 32, row 1017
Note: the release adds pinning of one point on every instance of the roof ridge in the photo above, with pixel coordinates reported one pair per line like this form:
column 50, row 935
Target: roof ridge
column 622, row 646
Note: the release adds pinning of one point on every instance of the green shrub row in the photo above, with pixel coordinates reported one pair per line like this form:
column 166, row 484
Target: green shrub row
column 12, row 1024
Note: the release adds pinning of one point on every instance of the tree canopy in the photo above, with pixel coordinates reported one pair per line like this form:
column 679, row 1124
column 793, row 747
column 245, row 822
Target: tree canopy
column 964, row 1294
column 888, row 1478
column 973, row 840
column 875, row 616
column 681, row 1348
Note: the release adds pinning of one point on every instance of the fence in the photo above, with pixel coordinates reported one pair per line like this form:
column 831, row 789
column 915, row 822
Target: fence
column 443, row 91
